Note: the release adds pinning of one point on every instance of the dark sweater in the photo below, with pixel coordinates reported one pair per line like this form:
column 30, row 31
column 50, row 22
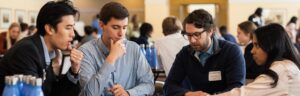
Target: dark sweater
column 227, row 58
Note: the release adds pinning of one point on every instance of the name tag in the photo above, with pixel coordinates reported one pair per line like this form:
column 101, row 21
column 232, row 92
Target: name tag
column 214, row 76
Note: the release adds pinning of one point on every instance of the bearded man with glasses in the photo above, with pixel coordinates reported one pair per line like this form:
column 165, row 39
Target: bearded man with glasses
column 207, row 63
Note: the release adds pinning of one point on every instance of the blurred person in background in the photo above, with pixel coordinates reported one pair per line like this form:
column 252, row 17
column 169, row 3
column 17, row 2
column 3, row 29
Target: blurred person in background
column 244, row 34
column 133, row 28
column 168, row 46
column 95, row 24
column 31, row 30
column 9, row 38
column 90, row 34
column 146, row 31
column 226, row 35
column 256, row 17
column 24, row 31
column 291, row 28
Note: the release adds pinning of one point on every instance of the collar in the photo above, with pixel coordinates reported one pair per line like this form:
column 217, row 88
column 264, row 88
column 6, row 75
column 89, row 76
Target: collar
column 103, row 49
column 48, row 56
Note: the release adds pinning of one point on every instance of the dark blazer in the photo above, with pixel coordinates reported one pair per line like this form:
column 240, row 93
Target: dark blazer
column 27, row 57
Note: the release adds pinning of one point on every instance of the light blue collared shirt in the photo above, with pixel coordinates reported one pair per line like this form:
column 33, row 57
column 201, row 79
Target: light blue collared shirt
column 48, row 56
column 131, row 71
column 203, row 56
column 51, row 55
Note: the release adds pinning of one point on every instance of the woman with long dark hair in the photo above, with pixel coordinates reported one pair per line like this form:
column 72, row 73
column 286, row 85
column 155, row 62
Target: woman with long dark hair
column 275, row 52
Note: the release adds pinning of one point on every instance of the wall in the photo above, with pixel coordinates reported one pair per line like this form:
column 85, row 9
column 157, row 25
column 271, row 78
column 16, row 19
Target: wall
column 239, row 10
column 155, row 12
column 26, row 5
column 134, row 7
column 88, row 9
column 222, row 4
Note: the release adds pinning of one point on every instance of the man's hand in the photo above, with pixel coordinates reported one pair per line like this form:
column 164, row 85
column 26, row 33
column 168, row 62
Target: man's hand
column 196, row 93
column 118, row 90
column 117, row 50
column 76, row 57
column 56, row 62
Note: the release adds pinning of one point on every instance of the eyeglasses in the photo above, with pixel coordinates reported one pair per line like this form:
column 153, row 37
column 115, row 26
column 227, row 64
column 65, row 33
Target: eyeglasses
column 195, row 35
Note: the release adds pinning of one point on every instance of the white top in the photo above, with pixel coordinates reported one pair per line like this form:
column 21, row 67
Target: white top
column 167, row 48
column 288, row 82
column 291, row 29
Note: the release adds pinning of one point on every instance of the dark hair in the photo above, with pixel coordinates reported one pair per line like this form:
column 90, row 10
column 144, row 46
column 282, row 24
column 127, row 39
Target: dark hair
column 247, row 27
column 200, row 18
column 258, row 11
column 97, row 16
column 95, row 30
column 88, row 30
column 146, row 29
column 52, row 12
column 24, row 26
column 113, row 10
column 223, row 30
column 171, row 25
column 293, row 20
column 276, row 43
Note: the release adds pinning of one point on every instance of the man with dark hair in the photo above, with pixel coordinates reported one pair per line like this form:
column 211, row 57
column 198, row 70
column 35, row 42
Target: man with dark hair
column 208, row 64
column 111, row 64
column 38, row 55
column 24, row 30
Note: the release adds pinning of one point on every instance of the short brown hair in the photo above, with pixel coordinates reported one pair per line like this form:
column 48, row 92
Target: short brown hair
column 171, row 25
column 200, row 19
column 247, row 27
column 113, row 9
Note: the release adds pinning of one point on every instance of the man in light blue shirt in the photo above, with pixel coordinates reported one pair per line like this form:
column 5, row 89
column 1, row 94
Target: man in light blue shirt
column 112, row 65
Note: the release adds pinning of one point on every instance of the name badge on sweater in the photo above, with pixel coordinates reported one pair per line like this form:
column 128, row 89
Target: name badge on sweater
column 214, row 76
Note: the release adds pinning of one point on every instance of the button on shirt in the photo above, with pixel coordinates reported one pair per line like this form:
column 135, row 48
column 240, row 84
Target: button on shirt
column 131, row 70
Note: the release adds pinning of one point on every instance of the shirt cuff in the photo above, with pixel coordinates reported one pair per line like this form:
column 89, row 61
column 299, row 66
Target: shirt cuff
column 130, row 92
column 72, row 78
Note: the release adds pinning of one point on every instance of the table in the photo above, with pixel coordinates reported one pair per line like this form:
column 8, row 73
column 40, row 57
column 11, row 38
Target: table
column 156, row 73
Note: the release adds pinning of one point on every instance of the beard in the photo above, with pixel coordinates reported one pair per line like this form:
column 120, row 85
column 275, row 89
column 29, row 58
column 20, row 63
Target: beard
column 201, row 46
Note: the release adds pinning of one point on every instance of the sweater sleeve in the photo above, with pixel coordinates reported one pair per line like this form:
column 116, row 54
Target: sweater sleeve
column 173, row 82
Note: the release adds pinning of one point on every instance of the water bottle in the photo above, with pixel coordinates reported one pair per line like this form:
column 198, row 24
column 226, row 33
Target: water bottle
column 11, row 88
column 25, row 85
column 27, row 88
column 142, row 46
column 148, row 55
column 36, row 87
column 20, row 81
column 154, row 59
column 30, row 86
